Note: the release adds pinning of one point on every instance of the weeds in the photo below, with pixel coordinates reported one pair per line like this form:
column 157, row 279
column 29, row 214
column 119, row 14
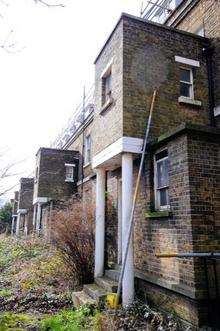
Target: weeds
column 84, row 318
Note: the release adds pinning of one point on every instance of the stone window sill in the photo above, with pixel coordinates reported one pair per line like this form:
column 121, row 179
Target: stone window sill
column 106, row 105
column 158, row 214
column 69, row 180
column 190, row 101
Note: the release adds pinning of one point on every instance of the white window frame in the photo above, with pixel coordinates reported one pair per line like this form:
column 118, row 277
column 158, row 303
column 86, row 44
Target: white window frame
column 191, row 90
column 156, row 189
column 72, row 167
column 88, row 155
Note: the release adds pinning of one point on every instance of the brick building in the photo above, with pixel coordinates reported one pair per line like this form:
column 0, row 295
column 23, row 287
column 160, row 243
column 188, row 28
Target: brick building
column 178, row 207
column 55, row 181
column 14, row 211
column 24, row 206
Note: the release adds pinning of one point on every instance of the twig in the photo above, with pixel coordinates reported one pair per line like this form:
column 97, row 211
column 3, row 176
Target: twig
column 45, row 3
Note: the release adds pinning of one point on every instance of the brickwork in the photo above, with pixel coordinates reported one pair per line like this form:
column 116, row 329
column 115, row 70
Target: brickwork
column 193, row 227
column 142, row 57
column 149, row 63
column 206, row 14
column 77, row 145
column 204, row 170
column 108, row 125
column 111, row 221
column 25, row 200
column 171, row 234
column 174, row 284
column 15, row 203
column 51, row 174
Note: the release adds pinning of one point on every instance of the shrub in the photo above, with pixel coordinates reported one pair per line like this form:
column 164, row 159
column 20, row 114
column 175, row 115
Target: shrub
column 72, row 232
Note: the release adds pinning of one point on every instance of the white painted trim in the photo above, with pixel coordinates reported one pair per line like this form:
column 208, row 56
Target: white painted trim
column 190, row 101
column 22, row 211
column 107, row 68
column 184, row 60
column 41, row 200
column 122, row 145
column 70, row 165
column 217, row 111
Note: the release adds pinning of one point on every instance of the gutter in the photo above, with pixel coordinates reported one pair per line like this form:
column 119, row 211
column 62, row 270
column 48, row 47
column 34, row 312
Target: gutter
column 208, row 52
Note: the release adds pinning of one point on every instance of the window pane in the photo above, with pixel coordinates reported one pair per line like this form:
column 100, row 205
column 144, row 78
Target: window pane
column 164, row 197
column 88, row 149
column 185, row 90
column 69, row 172
column 108, row 85
column 185, row 75
column 162, row 173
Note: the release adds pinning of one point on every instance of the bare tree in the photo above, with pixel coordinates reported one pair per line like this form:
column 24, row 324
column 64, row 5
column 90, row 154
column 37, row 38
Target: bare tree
column 8, row 44
column 49, row 3
column 7, row 170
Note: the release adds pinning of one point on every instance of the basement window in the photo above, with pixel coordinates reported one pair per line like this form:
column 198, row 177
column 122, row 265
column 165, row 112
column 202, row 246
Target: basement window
column 186, row 83
column 161, row 180
column 70, row 169
column 88, row 155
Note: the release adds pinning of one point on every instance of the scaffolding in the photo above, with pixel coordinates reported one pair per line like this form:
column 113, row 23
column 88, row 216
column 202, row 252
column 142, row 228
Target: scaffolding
column 80, row 115
column 158, row 10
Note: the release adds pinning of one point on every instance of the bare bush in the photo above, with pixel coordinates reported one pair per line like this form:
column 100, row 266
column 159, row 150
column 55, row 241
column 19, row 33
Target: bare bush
column 72, row 231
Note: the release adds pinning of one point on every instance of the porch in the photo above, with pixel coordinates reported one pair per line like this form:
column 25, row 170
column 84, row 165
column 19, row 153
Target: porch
column 118, row 155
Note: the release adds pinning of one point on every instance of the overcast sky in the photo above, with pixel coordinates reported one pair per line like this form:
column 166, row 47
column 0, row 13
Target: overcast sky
column 42, row 79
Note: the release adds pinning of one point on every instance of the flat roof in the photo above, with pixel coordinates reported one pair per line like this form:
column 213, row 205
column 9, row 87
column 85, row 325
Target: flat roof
column 141, row 20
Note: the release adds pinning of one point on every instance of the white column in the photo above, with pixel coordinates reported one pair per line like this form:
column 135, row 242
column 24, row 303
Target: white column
column 127, row 196
column 34, row 217
column 18, row 225
column 38, row 218
column 25, row 225
column 12, row 225
column 100, row 223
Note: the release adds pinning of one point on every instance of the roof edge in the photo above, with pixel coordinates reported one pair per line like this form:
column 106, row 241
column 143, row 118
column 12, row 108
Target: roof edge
column 139, row 19
column 184, row 128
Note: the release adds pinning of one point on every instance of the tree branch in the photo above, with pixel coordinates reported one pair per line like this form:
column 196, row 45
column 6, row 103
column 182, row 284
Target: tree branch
column 45, row 3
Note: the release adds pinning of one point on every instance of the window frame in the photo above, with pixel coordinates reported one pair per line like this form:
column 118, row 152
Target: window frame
column 190, row 84
column 157, row 203
column 88, row 156
column 70, row 166
column 106, row 96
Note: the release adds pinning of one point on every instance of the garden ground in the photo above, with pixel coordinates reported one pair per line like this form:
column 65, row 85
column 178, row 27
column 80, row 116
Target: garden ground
column 35, row 295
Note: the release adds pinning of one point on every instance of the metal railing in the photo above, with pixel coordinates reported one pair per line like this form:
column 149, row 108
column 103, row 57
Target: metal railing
column 158, row 10
column 81, row 113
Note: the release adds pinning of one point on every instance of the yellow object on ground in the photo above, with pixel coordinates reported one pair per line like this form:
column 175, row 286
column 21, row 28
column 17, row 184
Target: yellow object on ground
column 112, row 300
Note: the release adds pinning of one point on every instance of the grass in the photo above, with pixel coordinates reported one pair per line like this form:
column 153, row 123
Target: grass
column 84, row 318
column 17, row 322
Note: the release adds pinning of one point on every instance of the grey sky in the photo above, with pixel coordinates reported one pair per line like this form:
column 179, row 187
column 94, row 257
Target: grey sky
column 42, row 82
